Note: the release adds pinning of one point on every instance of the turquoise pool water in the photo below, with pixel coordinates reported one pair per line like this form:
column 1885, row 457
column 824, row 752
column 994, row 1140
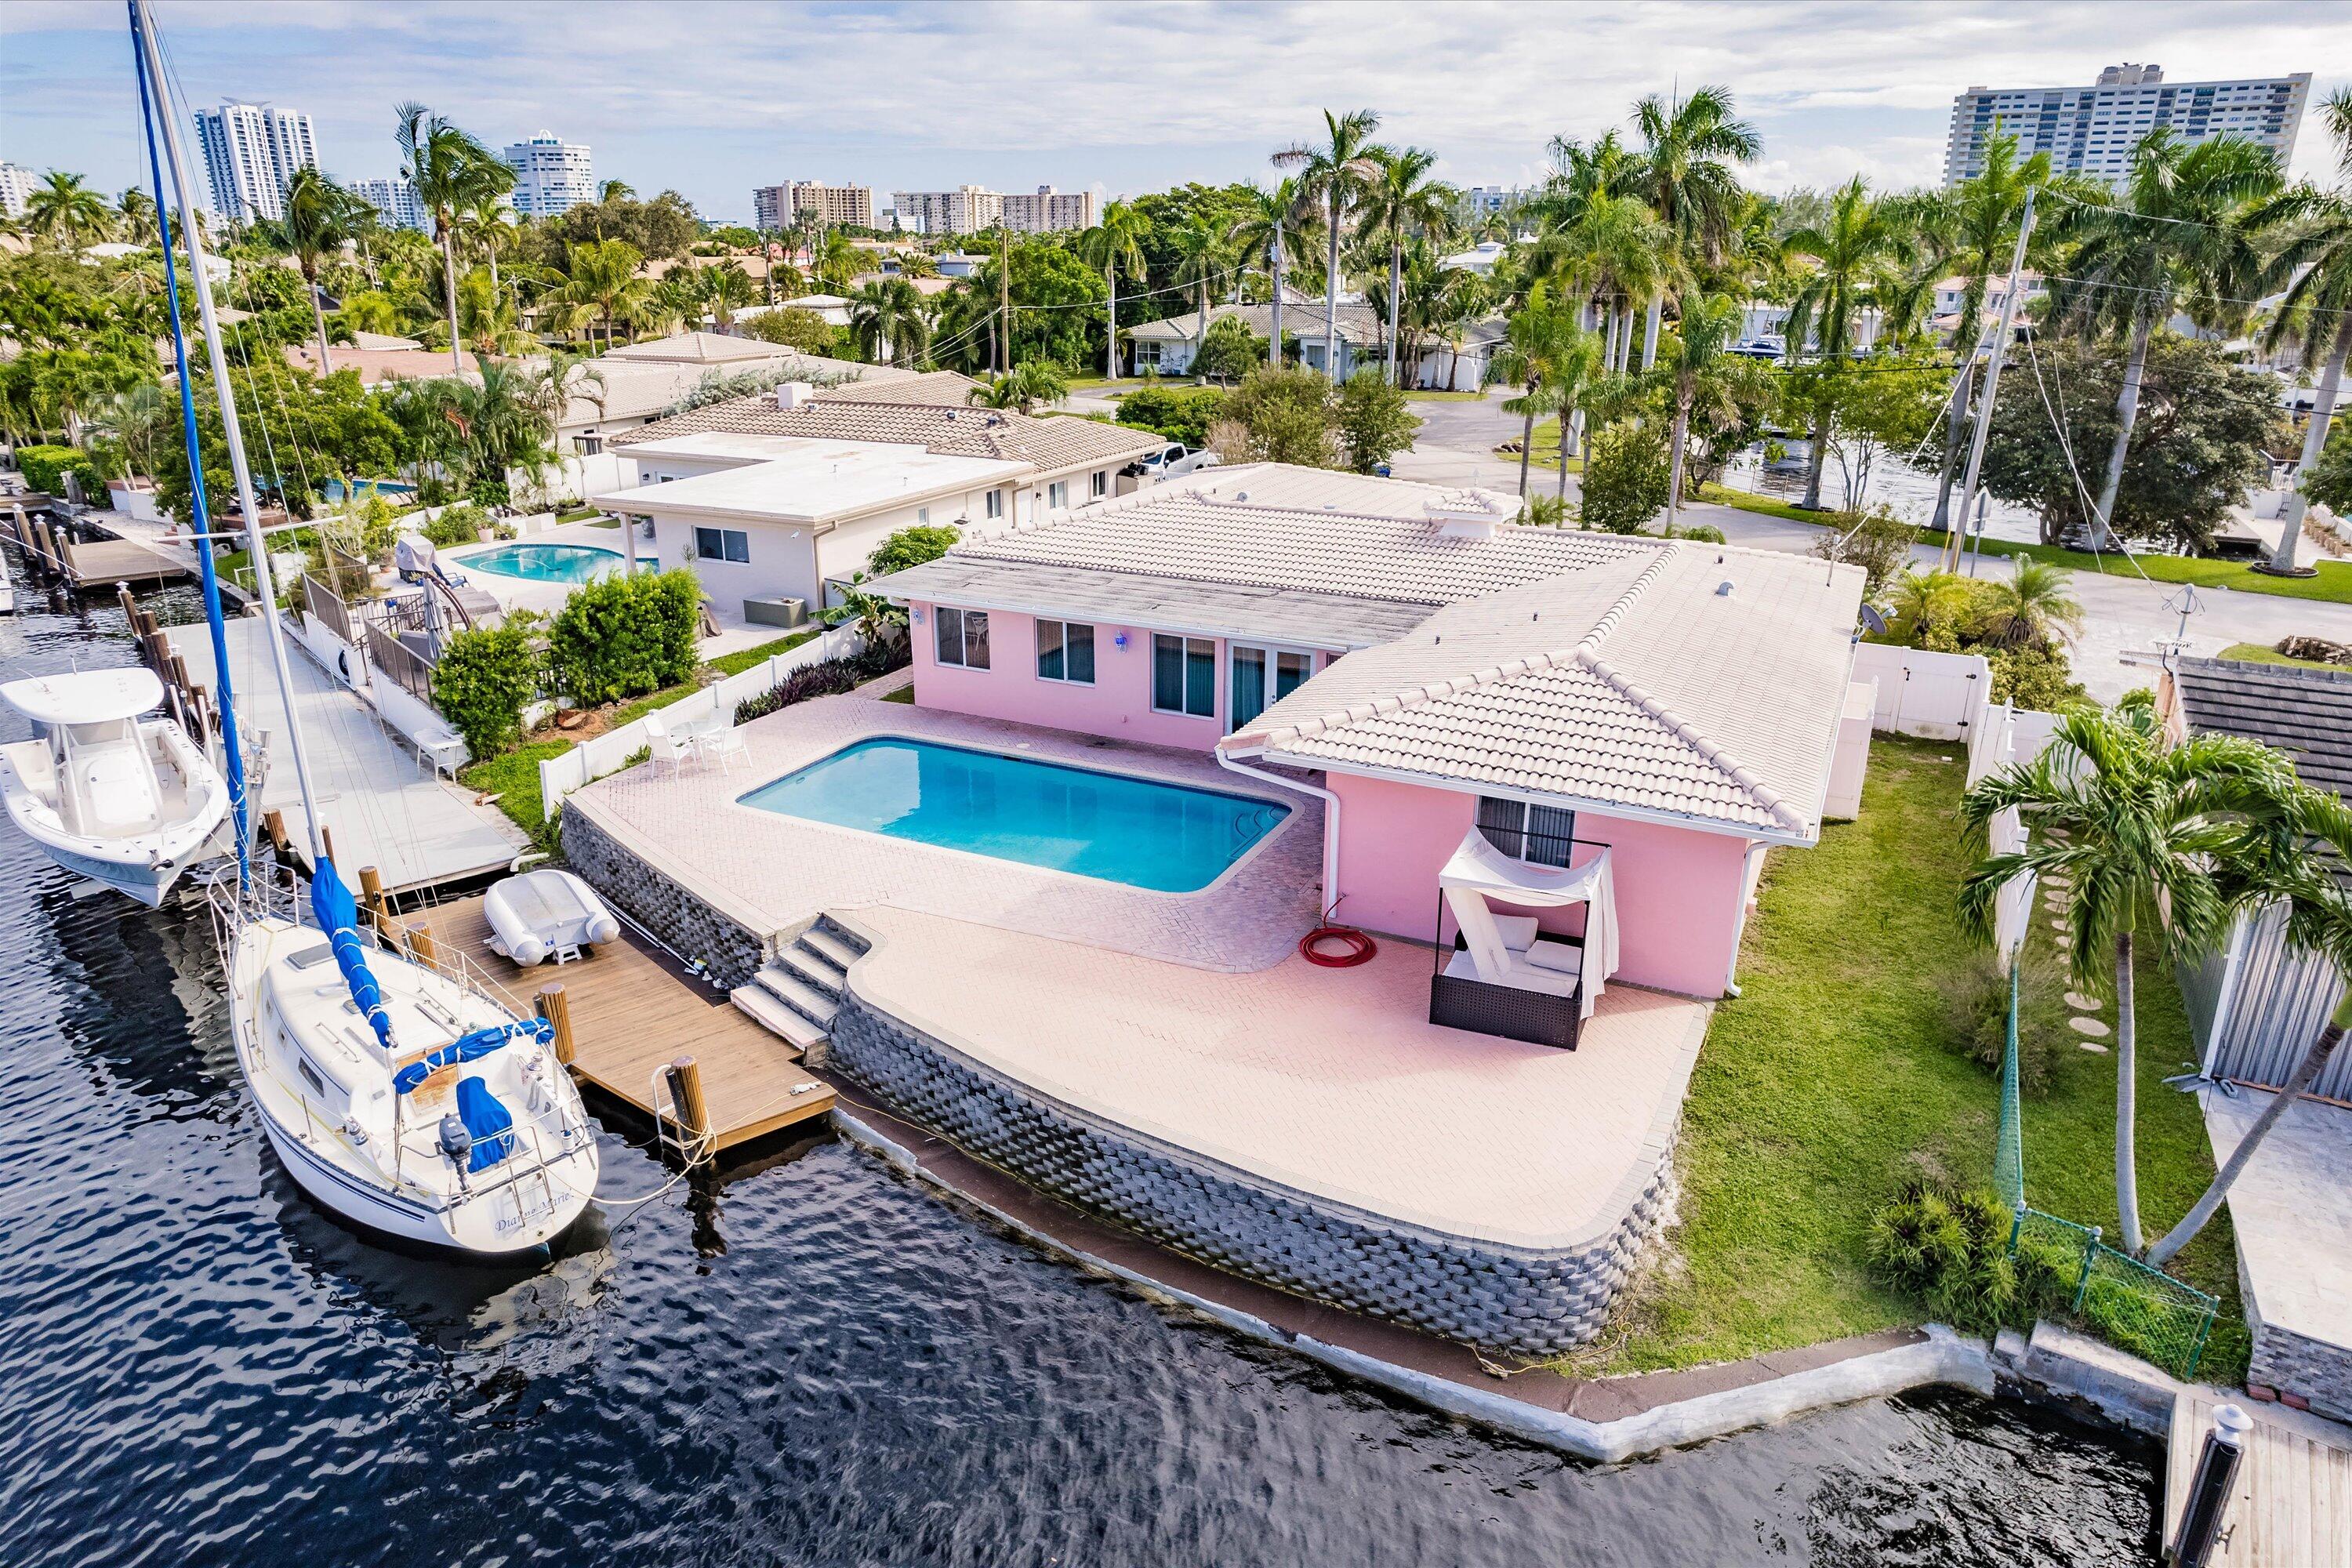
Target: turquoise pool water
column 1166, row 837
column 544, row 563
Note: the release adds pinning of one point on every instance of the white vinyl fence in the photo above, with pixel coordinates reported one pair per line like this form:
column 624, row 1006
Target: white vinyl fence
column 1935, row 696
column 712, row 708
column 2000, row 737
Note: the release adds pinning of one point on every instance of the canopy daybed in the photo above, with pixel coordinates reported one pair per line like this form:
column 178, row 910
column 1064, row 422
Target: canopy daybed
column 1503, row 975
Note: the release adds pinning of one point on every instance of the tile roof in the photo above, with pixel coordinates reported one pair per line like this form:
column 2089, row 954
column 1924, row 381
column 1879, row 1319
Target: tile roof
column 1050, row 444
column 2307, row 713
column 1358, row 324
column 936, row 388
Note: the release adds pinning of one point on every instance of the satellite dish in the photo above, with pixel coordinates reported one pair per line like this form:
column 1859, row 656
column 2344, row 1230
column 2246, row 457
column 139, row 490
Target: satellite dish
column 1872, row 622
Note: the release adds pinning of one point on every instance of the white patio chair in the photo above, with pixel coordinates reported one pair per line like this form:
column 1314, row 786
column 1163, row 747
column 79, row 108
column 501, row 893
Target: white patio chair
column 724, row 744
column 667, row 747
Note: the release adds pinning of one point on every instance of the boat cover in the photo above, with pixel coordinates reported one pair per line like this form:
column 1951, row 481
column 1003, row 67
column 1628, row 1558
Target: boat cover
column 491, row 1127
column 469, row 1048
column 86, row 697
column 338, row 917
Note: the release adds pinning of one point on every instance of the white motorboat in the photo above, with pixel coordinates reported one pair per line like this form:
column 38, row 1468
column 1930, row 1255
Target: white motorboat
column 125, row 800
column 403, row 1096
column 406, row 1095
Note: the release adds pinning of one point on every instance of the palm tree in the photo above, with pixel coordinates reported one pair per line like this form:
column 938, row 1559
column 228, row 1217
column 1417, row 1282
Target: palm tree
column 605, row 281
column 2133, row 824
column 1199, row 252
column 837, row 260
column 1401, row 201
column 1023, row 388
column 320, row 217
column 1335, row 175
column 615, row 191
column 2278, row 862
column 1116, row 245
column 1273, row 224
column 2315, row 266
column 1537, row 339
column 1705, row 379
column 721, row 288
column 64, row 211
column 2184, row 223
column 450, row 173
column 136, row 211
column 1857, row 251
column 1683, row 174
column 888, row 317
column 2032, row 604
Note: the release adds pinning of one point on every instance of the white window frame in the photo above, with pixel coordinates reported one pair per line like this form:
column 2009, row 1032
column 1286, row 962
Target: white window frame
column 1511, row 836
column 1185, row 647
column 725, row 536
column 1064, row 629
column 1099, row 484
column 995, row 505
column 1057, row 495
column 963, row 638
column 1273, row 652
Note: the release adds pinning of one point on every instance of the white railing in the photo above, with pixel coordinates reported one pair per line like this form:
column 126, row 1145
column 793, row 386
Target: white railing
column 712, row 708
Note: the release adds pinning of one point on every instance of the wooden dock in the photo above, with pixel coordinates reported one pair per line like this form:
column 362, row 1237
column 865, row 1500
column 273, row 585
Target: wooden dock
column 2292, row 1507
column 92, row 567
column 633, row 1010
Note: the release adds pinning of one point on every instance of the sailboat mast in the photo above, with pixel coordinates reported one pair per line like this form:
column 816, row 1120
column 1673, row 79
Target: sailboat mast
column 143, row 24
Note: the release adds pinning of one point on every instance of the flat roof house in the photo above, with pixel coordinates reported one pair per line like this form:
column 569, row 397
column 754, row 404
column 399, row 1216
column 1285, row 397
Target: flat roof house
column 1167, row 346
column 768, row 498
column 1488, row 710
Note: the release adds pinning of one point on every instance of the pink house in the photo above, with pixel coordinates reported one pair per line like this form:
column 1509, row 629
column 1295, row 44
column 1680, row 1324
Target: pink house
column 1559, row 756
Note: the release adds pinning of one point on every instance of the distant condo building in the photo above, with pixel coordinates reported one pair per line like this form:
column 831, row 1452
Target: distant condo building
column 1049, row 211
column 394, row 201
column 1487, row 201
column 2093, row 129
column 250, row 152
column 779, row 206
column 16, row 189
column 968, row 209
column 551, row 176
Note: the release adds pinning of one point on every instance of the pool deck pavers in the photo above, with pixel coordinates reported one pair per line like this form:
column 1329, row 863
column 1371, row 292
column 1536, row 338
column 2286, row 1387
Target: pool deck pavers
column 783, row 870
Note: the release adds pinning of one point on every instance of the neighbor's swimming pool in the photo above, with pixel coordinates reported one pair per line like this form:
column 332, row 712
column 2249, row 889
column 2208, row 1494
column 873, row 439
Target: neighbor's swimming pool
column 1166, row 837
column 544, row 563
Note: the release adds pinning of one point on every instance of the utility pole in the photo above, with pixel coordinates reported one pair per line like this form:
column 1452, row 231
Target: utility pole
column 1959, row 520
column 1004, row 303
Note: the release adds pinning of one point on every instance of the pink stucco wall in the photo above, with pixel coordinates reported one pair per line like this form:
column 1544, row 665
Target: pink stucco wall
column 1118, row 704
column 1679, row 892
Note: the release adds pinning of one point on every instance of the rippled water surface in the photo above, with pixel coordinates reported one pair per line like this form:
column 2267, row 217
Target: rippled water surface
column 814, row 1364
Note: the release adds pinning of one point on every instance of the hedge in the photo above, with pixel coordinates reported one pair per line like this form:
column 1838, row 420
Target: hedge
column 624, row 636
column 44, row 468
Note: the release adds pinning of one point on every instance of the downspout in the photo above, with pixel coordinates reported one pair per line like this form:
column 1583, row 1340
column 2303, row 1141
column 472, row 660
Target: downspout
column 2233, row 958
column 1331, row 894
column 1747, row 878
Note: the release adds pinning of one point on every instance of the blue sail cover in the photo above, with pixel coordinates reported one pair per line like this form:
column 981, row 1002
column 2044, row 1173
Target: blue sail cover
column 491, row 1127
column 469, row 1048
column 338, row 917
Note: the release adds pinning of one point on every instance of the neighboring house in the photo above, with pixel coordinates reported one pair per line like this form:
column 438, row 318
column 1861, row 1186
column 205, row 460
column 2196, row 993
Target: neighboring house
column 1444, row 675
column 2256, row 1005
column 1166, row 347
column 642, row 380
column 775, row 496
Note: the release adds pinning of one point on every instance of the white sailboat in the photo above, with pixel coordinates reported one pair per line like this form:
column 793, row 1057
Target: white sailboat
column 402, row 1093
column 110, row 788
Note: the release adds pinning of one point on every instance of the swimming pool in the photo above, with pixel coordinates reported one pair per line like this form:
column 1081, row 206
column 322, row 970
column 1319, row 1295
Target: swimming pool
column 1170, row 839
column 544, row 563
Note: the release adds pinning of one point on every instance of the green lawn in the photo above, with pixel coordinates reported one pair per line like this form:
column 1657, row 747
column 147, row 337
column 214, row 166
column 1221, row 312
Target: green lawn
column 2255, row 653
column 904, row 694
column 1417, row 395
column 1837, row 1073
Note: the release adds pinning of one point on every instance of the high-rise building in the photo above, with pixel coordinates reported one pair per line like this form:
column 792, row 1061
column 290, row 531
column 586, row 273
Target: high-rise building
column 251, row 151
column 16, row 189
column 779, row 206
column 967, row 209
column 551, row 176
column 2093, row 129
column 1049, row 211
column 394, row 201
column 1487, row 201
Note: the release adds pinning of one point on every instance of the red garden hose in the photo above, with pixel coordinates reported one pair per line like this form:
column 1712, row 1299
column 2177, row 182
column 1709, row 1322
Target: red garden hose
column 1360, row 947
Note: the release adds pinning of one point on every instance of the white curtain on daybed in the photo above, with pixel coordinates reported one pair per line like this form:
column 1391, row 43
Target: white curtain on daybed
column 1478, row 872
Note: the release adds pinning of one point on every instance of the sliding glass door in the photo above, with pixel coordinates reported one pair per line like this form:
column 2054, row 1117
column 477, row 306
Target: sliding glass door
column 1261, row 677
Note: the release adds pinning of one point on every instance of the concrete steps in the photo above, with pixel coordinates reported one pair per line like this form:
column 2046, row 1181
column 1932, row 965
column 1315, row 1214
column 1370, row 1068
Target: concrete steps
column 776, row 1018
column 796, row 994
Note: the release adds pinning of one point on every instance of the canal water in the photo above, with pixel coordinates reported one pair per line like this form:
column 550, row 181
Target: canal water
column 813, row 1363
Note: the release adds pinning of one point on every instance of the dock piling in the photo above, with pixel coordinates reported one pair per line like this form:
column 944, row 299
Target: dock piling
column 556, row 1009
column 693, row 1115
column 2209, row 1492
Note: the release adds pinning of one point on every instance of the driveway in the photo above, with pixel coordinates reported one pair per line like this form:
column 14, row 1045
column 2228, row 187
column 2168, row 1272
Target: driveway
column 1456, row 446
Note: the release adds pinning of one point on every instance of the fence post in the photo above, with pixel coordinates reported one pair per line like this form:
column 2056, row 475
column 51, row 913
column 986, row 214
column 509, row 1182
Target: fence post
column 2197, row 1352
column 2090, row 1254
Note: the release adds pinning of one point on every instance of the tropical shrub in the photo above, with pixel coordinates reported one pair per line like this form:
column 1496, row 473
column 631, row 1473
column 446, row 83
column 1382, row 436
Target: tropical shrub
column 1229, row 350
column 1179, row 413
column 1543, row 511
column 795, row 328
column 1949, row 1248
column 485, row 678
column 625, row 636
column 1625, row 477
column 910, row 547
column 1702, row 533
column 1375, row 422
column 454, row 525
column 1277, row 417
column 45, row 468
column 1876, row 540
column 828, row 679
column 1978, row 994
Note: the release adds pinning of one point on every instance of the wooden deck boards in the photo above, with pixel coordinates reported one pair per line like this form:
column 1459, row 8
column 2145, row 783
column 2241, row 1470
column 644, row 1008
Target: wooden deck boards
column 103, row 562
column 633, row 1010
column 2292, row 1506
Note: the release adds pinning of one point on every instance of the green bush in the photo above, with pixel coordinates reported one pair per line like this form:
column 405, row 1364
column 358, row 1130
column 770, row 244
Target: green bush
column 1375, row 421
column 2041, row 678
column 484, row 680
column 1978, row 994
column 909, row 547
column 1949, row 1248
column 45, row 468
column 625, row 636
column 459, row 524
column 1701, row 533
column 1625, row 477
column 1178, row 413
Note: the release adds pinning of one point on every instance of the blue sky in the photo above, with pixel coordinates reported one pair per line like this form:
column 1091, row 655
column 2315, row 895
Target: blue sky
column 712, row 98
